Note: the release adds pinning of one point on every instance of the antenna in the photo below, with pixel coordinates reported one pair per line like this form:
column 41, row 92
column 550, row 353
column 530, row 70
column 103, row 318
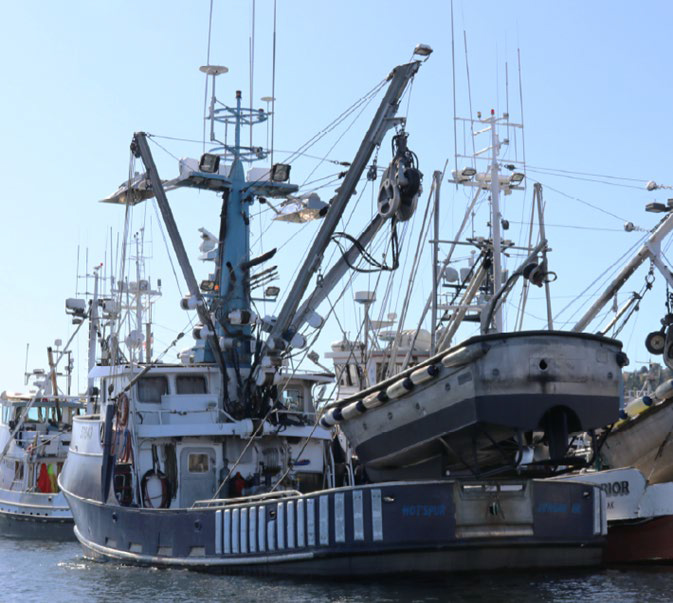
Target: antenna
column 523, row 139
column 252, row 62
column 25, row 366
column 77, row 274
column 205, row 94
column 273, row 81
column 453, row 79
column 469, row 90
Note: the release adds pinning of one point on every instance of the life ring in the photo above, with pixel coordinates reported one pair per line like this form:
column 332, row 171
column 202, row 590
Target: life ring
column 122, row 414
column 150, row 489
column 126, row 448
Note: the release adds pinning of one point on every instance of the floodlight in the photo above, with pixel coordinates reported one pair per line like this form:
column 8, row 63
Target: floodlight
column 209, row 163
column 280, row 172
column 656, row 208
column 423, row 50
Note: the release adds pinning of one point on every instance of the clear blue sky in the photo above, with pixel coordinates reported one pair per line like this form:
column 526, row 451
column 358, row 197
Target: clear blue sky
column 81, row 77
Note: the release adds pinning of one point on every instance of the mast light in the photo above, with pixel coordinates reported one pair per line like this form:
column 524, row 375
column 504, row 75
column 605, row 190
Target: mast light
column 423, row 50
column 209, row 163
column 463, row 175
column 657, row 208
column 280, row 172
column 272, row 292
column 516, row 178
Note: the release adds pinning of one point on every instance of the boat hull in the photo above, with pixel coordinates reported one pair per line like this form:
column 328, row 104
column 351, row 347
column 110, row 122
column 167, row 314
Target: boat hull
column 395, row 528
column 640, row 515
column 644, row 442
column 508, row 384
column 35, row 516
column 640, row 541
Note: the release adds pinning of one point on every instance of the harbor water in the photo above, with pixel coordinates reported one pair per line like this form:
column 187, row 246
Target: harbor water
column 33, row 571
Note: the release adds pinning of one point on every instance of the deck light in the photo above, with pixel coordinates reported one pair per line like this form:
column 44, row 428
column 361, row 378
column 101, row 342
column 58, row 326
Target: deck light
column 280, row 172
column 463, row 175
column 516, row 178
column 423, row 50
column 209, row 163
column 272, row 292
column 656, row 208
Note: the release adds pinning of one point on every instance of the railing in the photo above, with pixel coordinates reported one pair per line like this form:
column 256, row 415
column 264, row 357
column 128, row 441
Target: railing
column 242, row 500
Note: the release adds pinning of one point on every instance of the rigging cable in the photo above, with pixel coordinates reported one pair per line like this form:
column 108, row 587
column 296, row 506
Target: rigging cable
column 425, row 226
column 363, row 104
column 584, row 179
column 598, row 284
column 596, row 207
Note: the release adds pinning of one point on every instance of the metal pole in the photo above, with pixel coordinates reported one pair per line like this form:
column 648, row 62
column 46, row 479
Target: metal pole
column 495, row 220
column 537, row 193
column 140, row 139
column 437, row 177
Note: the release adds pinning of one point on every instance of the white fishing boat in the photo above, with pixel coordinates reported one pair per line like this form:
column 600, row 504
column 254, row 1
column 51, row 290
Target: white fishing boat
column 35, row 432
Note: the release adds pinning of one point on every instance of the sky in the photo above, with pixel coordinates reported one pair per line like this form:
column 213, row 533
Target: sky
column 80, row 77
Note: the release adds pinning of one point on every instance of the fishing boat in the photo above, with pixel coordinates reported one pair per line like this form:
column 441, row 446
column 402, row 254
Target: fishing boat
column 500, row 401
column 639, row 515
column 35, row 431
column 219, row 462
column 641, row 438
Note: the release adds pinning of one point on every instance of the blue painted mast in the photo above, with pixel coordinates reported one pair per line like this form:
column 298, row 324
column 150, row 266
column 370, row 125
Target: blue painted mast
column 223, row 304
column 233, row 254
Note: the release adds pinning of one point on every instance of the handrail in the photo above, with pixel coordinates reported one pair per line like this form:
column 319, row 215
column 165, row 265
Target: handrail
column 247, row 499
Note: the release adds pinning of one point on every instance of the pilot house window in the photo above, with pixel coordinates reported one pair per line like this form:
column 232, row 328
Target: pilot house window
column 191, row 384
column 293, row 399
column 150, row 389
column 198, row 463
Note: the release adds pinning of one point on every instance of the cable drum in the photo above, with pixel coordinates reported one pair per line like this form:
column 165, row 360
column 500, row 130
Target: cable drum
column 401, row 182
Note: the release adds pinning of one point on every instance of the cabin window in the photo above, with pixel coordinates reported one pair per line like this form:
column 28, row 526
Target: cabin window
column 198, row 463
column 191, row 384
column 346, row 377
column 150, row 389
column 357, row 375
column 34, row 414
column 293, row 399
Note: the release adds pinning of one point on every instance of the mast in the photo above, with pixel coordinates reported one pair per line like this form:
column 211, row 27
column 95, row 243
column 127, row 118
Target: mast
column 493, row 181
column 495, row 218
column 223, row 302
